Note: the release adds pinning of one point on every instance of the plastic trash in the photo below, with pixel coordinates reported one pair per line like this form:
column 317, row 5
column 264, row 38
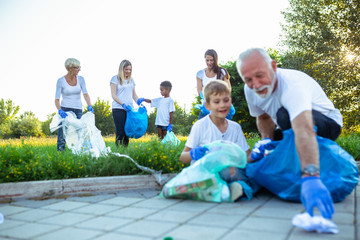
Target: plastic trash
column 136, row 122
column 280, row 171
column 201, row 180
column 315, row 223
column 1, row 218
column 171, row 138
column 81, row 135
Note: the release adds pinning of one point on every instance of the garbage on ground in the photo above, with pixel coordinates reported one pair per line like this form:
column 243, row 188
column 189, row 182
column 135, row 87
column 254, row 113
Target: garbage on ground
column 1, row 218
column 201, row 180
column 171, row 138
column 315, row 223
column 82, row 137
column 136, row 122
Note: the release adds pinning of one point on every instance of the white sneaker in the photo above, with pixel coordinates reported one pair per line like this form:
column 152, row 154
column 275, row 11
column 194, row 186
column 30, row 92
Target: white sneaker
column 236, row 191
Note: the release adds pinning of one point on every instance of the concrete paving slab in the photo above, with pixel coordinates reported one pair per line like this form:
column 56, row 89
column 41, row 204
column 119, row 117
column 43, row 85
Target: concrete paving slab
column 139, row 214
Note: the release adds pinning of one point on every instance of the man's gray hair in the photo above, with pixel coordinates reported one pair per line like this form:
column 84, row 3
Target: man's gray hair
column 247, row 53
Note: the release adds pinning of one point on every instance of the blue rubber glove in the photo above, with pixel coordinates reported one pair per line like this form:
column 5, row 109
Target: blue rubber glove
column 201, row 95
column 258, row 150
column 90, row 108
column 126, row 107
column 198, row 152
column 140, row 100
column 169, row 128
column 315, row 194
column 62, row 113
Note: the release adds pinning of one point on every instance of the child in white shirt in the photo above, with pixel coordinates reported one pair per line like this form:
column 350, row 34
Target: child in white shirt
column 215, row 127
column 165, row 109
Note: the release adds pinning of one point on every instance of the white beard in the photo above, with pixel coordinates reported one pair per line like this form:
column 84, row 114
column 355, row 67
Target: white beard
column 269, row 88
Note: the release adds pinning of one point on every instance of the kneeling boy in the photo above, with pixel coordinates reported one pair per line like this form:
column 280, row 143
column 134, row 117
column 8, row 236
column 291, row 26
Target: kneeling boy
column 215, row 127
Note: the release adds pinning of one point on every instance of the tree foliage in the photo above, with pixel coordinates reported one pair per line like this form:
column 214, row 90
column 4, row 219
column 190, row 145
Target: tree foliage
column 8, row 110
column 103, row 117
column 322, row 38
column 26, row 126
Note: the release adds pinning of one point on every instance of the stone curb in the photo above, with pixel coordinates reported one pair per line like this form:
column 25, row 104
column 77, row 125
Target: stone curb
column 52, row 188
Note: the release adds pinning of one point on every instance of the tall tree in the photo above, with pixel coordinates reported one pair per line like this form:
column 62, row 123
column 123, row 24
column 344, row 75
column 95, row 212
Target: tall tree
column 322, row 38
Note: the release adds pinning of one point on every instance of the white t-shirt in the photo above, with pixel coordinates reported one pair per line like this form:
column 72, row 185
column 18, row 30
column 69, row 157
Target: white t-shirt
column 201, row 74
column 71, row 95
column 296, row 92
column 124, row 92
column 204, row 131
column 164, row 107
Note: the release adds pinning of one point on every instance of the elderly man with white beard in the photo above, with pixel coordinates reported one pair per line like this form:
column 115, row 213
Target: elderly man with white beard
column 281, row 99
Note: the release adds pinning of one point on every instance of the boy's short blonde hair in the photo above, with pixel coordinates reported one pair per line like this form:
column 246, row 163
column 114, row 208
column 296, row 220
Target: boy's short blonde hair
column 215, row 87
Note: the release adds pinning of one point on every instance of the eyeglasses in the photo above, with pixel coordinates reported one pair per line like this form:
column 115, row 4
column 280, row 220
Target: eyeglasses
column 77, row 68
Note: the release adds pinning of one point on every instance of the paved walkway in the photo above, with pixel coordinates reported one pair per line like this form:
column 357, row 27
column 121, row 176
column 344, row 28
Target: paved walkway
column 141, row 215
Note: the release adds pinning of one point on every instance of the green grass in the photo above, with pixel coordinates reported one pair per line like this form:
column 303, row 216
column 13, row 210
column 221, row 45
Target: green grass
column 27, row 160
column 37, row 159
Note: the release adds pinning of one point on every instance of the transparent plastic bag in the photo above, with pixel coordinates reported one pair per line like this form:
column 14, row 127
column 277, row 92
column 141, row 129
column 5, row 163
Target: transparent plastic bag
column 171, row 138
column 201, row 180
column 81, row 135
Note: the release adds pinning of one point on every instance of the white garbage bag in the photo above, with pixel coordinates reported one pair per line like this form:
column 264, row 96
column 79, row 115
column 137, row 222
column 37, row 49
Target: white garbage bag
column 81, row 135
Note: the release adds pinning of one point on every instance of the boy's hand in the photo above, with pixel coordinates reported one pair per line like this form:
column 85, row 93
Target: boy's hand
column 169, row 128
column 140, row 100
column 198, row 152
column 258, row 151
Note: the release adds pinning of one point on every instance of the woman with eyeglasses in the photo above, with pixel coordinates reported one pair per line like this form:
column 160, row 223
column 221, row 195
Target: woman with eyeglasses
column 69, row 87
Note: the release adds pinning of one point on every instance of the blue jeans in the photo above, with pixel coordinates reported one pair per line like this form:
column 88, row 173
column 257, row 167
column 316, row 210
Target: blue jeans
column 239, row 175
column 61, row 140
column 119, row 116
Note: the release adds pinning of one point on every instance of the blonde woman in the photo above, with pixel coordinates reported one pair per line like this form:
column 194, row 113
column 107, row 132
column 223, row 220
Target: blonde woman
column 123, row 93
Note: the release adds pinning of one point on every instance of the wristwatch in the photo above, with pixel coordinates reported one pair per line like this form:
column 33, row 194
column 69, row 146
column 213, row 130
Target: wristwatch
column 311, row 170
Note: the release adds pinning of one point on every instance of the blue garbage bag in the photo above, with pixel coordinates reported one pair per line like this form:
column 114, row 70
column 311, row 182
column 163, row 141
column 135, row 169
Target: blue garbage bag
column 201, row 180
column 205, row 111
column 280, row 171
column 136, row 122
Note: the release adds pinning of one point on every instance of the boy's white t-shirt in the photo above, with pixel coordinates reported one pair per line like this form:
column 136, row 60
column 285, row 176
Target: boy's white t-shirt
column 296, row 92
column 124, row 92
column 71, row 95
column 164, row 107
column 204, row 131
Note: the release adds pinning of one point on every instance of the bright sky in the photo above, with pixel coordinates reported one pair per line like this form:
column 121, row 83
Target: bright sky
column 163, row 39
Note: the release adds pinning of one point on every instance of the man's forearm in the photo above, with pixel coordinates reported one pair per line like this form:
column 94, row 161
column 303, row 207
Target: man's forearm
column 266, row 126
